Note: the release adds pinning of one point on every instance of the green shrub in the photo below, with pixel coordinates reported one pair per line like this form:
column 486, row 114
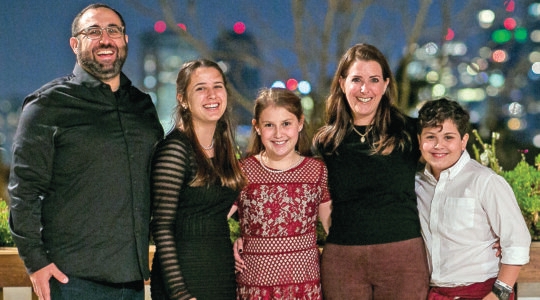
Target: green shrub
column 524, row 180
column 5, row 235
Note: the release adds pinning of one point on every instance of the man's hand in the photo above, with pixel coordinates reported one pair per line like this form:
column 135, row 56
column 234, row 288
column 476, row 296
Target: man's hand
column 238, row 247
column 40, row 280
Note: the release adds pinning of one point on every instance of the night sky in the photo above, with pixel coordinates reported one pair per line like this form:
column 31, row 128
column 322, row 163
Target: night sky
column 34, row 36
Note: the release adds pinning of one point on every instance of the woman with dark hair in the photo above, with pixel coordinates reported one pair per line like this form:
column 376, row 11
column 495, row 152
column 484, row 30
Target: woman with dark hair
column 374, row 249
column 195, row 180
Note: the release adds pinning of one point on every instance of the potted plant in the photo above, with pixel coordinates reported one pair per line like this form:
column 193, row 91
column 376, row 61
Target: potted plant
column 525, row 182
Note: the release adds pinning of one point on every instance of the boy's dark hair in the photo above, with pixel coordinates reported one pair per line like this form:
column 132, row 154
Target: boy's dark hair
column 433, row 114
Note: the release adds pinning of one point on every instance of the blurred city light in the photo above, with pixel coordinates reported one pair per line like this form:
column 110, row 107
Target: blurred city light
column 509, row 23
column 534, row 10
column 501, row 36
column 450, row 34
column 536, row 141
column 278, row 84
column 304, row 87
column 499, row 56
column 510, row 5
column 292, row 84
column 486, row 18
column 239, row 27
column 160, row 26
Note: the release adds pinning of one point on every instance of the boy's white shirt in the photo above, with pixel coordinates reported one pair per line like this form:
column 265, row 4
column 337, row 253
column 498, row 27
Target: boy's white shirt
column 462, row 215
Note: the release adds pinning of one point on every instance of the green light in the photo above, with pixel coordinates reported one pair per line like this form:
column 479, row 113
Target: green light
column 501, row 36
column 520, row 34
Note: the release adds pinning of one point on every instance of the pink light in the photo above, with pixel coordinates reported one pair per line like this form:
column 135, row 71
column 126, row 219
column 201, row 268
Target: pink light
column 292, row 84
column 499, row 56
column 510, row 24
column 160, row 26
column 239, row 27
column 510, row 5
column 182, row 26
column 449, row 35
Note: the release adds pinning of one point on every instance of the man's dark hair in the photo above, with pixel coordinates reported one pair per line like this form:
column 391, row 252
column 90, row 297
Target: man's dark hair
column 75, row 25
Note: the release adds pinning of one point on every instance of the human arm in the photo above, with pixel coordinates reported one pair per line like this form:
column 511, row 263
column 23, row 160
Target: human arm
column 324, row 215
column 30, row 176
column 169, row 167
column 325, row 206
column 508, row 223
column 508, row 275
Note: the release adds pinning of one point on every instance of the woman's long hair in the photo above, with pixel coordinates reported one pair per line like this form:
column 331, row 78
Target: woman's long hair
column 225, row 167
column 388, row 123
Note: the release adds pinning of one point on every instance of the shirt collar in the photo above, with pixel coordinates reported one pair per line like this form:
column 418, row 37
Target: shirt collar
column 83, row 77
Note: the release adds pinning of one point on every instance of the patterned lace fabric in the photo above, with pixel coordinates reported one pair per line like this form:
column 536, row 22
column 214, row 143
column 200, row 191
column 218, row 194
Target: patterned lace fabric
column 278, row 216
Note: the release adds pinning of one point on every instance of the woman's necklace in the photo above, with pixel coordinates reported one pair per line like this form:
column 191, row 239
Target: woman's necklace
column 209, row 147
column 263, row 156
column 362, row 136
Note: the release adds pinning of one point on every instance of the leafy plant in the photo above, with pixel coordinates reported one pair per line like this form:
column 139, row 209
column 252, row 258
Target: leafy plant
column 524, row 180
column 5, row 235
column 234, row 227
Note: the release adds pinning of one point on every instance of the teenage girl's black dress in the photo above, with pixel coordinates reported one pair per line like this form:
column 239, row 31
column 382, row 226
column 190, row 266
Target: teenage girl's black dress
column 194, row 255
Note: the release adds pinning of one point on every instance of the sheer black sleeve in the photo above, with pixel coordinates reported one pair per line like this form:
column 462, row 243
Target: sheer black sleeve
column 171, row 166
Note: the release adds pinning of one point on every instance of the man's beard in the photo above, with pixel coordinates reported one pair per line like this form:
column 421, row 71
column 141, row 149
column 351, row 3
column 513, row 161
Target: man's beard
column 99, row 70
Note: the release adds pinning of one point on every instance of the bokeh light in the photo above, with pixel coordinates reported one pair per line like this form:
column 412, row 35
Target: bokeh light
column 292, row 84
column 486, row 18
column 536, row 68
column 450, row 34
column 499, row 56
column 239, row 27
column 535, row 36
column 501, row 36
column 509, row 5
column 182, row 26
column 160, row 26
column 438, row 91
column 520, row 34
column 509, row 23
column 534, row 10
column 516, row 124
column 278, row 84
column 536, row 141
column 307, row 103
column 496, row 80
column 304, row 87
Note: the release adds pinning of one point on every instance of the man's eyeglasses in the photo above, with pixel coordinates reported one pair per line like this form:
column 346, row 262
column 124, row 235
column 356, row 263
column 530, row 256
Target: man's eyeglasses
column 94, row 33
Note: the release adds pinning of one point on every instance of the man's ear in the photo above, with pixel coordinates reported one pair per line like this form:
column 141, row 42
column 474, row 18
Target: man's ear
column 74, row 44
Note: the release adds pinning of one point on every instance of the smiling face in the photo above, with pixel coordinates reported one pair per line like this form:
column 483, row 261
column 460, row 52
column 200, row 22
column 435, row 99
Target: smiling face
column 364, row 87
column 206, row 96
column 442, row 146
column 103, row 57
column 278, row 129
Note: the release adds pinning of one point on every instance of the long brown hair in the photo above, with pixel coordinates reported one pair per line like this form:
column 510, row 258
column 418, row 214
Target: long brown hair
column 278, row 97
column 388, row 122
column 225, row 167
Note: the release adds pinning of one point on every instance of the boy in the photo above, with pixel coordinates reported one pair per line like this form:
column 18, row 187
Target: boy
column 464, row 209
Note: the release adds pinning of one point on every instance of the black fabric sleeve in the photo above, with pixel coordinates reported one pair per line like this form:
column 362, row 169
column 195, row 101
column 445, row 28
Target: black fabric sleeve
column 169, row 174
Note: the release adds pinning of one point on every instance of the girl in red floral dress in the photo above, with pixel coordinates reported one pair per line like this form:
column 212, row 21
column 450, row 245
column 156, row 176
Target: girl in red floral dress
column 278, row 254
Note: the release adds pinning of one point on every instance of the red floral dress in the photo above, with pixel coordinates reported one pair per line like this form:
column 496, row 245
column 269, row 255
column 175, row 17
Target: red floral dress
column 278, row 217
